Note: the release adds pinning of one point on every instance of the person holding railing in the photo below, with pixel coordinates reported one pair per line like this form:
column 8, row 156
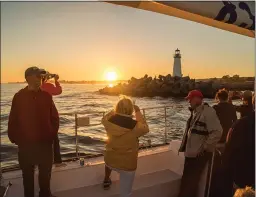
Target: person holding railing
column 122, row 147
column 53, row 90
column 202, row 133
column 33, row 124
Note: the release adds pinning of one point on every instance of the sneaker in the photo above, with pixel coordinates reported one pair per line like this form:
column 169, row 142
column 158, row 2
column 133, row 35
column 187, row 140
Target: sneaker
column 107, row 184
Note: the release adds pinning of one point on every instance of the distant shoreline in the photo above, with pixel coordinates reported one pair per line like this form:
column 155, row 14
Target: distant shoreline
column 78, row 82
column 94, row 82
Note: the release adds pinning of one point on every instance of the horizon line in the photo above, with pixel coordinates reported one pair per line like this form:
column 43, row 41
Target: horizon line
column 106, row 81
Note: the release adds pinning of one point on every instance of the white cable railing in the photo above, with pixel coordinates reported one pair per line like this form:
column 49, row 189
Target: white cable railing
column 82, row 116
column 85, row 123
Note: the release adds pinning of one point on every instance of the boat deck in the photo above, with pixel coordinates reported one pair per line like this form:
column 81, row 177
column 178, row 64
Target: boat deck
column 165, row 182
column 159, row 171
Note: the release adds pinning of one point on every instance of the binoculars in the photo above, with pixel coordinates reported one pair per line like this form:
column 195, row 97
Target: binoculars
column 49, row 75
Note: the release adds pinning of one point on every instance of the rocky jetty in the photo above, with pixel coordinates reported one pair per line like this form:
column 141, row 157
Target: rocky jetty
column 168, row 86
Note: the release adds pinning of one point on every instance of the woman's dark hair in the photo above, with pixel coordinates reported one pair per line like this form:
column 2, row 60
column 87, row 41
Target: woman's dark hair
column 247, row 97
column 248, row 101
column 222, row 95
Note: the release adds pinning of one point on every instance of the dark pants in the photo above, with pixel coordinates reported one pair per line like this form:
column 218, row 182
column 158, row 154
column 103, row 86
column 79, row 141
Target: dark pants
column 217, row 176
column 56, row 150
column 192, row 172
column 42, row 156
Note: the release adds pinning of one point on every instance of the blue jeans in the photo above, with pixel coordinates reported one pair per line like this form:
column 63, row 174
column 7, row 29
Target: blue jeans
column 126, row 181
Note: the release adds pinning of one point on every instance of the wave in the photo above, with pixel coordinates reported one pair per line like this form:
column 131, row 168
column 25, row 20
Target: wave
column 6, row 104
column 81, row 99
column 4, row 117
column 64, row 121
column 83, row 140
column 83, row 95
column 90, row 105
column 70, row 95
column 90, row 141
column 3, row 131
column 8, row 152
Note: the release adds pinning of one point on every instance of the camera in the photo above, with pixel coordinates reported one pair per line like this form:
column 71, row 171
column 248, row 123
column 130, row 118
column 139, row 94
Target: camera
column 50, row 76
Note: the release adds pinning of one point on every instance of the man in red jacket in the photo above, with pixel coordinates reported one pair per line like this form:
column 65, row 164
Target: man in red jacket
column 33, row 124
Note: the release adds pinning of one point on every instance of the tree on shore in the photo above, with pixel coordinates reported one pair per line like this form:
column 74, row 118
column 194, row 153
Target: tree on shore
column 226, row 77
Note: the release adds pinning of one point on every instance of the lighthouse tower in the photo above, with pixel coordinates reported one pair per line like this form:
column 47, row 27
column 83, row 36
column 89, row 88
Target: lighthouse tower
column 177, row 64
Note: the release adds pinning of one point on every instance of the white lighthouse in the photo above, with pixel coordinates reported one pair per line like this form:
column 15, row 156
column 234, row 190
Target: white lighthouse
column 177, row 64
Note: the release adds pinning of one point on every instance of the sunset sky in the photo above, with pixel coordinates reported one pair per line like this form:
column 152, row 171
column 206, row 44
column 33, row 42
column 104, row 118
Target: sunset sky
column 84, row 40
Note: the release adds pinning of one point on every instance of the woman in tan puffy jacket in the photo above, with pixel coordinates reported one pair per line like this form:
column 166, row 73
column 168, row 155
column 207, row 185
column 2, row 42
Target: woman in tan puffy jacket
column 122, row 147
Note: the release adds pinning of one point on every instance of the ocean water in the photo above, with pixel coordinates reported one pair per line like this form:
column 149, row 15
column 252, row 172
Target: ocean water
column 85, row 99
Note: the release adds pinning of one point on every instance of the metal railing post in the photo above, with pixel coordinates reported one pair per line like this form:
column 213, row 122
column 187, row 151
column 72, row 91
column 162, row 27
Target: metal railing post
column 144, row 115
column 209, row 182
column 165, row 127
column 76, row 135
column 7, row 189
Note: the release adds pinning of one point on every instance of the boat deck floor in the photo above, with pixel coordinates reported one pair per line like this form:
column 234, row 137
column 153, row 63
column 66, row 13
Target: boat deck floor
column 165, row 182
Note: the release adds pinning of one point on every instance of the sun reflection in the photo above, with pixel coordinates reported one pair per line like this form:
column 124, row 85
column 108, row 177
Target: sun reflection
column 110, row 85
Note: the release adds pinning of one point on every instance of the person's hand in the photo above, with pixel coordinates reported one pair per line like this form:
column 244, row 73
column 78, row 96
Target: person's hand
column 136, row 108
column 56, row 77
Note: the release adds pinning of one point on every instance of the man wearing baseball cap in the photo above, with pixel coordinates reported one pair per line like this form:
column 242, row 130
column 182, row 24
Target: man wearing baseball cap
column 33, row 124
column 202, row 133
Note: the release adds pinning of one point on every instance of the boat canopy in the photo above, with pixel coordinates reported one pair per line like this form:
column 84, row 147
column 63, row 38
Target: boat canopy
column 235, row 16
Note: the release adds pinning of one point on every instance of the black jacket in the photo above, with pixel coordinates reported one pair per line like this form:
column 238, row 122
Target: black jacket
column 244, row 110
column 239, row 155
column 227, row 116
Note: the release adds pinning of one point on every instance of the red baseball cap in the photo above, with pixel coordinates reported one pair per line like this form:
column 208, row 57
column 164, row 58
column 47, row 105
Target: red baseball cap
column 194, row 93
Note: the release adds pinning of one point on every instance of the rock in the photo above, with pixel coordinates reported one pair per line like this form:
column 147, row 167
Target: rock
column 191, row 85
column 161, row 77
column 216, row 85
column 172, row 86
column 168, row 77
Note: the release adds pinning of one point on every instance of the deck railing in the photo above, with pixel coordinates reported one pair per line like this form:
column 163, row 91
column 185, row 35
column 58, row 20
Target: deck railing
column 83, row 122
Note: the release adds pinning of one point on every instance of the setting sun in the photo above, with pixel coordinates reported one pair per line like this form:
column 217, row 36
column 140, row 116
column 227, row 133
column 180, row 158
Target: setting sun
column 111, row 76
